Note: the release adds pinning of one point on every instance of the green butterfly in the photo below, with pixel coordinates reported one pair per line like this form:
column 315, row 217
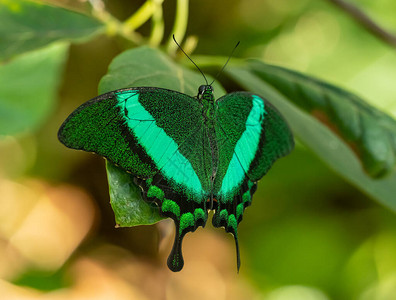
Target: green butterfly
column 188, row 155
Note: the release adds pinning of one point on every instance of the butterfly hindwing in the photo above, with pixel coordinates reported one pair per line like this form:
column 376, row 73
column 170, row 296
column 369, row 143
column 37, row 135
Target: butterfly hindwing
column 251, row 136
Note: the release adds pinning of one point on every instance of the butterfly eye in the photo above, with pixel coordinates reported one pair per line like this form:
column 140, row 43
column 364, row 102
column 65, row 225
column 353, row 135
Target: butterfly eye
column 202, row 89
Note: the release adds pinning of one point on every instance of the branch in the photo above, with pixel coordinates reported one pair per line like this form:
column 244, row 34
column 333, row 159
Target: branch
column 366, row 21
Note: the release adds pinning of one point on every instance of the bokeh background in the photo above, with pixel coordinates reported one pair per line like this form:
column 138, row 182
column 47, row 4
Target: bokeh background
column 309, row 234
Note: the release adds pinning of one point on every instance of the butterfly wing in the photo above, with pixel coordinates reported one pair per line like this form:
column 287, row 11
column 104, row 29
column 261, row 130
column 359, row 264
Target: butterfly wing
column 158, row 136
column 251, row 135
column 98, row 126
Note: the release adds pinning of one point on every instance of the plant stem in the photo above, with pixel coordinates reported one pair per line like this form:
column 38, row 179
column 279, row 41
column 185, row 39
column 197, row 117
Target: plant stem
column 141, row 16
column 180, row 25
column 113, row 25
column 366, row 21
column 157, row 31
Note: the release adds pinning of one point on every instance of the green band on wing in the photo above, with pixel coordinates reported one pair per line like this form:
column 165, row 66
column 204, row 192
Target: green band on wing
column 245, row 150
column 162, row 149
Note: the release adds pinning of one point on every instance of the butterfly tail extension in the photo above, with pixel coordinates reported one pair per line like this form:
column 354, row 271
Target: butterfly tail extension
column 230, row 209
column 223, row 218
column 232, row 227
column 238, row 256
column 175, row 259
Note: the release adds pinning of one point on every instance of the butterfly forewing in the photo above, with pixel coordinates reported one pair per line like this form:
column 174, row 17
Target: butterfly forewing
column 99, row 126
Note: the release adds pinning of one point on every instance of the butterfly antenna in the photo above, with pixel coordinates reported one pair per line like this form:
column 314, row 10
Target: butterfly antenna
column 222, row 69
column 190, row 59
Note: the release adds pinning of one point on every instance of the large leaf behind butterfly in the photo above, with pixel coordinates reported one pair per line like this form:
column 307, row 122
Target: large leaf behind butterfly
column 284, row 88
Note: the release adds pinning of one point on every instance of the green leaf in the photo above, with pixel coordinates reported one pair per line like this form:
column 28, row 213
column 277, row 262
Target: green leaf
column 28, row 92
column 126, row 200
column 27, row 25
column 371, row 134
column 145, row 66
column 317, row 136
column 139, row 67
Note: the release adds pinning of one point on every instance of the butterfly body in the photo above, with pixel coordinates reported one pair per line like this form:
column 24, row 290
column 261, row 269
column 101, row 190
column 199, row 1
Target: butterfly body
column 188, row 154
column 205, row 95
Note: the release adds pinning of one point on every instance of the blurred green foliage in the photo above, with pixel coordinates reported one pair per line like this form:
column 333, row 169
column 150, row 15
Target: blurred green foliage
column 309, row 231
column 39, row 73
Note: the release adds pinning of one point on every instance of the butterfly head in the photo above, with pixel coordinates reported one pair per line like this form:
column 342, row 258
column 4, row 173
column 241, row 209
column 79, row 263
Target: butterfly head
column 205, row 91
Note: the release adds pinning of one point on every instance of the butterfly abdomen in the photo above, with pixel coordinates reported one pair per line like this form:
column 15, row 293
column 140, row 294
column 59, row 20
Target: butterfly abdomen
column 209, row 116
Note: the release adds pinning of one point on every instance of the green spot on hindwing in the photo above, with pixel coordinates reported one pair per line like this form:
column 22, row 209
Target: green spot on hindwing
column 223, row 215
column 186, row 220
column 232, row 222
column 199, row 214
column 171, row 206
column 250, row 184
column 155, row 192
column 239, row 210
column 246, row 197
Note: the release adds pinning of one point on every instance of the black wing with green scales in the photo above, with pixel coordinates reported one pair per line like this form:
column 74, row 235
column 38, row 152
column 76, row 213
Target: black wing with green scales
column 251, row 135
column 164, row 140
column 158, row 136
